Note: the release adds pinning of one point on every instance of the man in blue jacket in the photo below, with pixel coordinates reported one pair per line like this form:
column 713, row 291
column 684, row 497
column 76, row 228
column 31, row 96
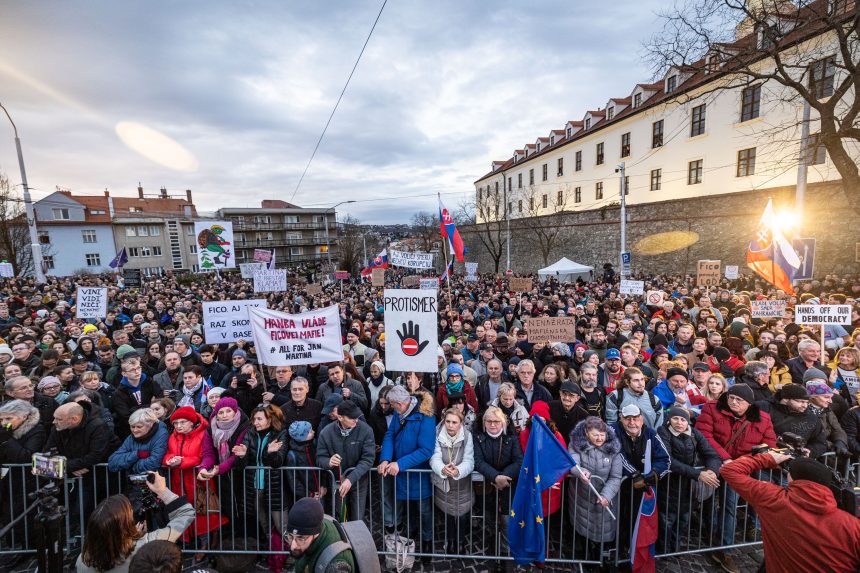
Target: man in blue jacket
column 408, row 445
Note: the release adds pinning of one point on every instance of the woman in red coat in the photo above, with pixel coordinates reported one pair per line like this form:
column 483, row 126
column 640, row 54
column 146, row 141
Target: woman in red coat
column 455, row 382
column 550, row 498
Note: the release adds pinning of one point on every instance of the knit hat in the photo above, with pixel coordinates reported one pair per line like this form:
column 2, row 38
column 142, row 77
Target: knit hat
column 440, row 353
column 792, row 329
column 675, row 371
column 299, row 430
column 186, row 340
column 378, row 364
column 4, row 349
column 588, row 354
column 89, row 328
column 225, row 402
column 792, row 392
column 817, row 388
column 540, row 408
column 570, row 387
column 354, row 331
column 579, row 345
column 398, row 394
column 305, row 517
column 813, row 374
column 455, row 369
column 48, row 381
column 681, row 412
column 810, row 470
column 349, row 409
column 331, row 402
column 124, row 350
column 240, row 352
column 743, row 392
column 659, row 350
column 515, row 360
column 722, row 353
column 185, row 413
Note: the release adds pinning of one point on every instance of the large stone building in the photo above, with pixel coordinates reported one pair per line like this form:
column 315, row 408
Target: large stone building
column 686, row 144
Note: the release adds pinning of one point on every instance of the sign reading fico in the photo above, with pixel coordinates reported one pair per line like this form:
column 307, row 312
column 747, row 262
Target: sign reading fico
column 410, row 316
column 708, row 273
column 228, row 320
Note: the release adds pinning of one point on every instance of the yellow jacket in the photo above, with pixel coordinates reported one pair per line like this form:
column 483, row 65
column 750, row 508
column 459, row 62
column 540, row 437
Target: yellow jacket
column 779, row 376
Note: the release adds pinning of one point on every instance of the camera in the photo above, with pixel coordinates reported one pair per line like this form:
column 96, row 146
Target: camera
column 143, row 501
column 48, row 466
column 787, row 444
column 847, row 496
column 242, row 380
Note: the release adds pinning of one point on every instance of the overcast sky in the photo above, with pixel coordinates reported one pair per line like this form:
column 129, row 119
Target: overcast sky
column 444, row 87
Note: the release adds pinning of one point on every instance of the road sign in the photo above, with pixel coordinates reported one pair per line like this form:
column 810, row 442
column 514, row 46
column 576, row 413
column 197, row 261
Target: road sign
column 625, row 263
column 805, row 249
column 509, row 272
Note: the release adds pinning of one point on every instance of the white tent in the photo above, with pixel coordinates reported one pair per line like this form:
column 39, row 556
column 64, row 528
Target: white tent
column 565, row 270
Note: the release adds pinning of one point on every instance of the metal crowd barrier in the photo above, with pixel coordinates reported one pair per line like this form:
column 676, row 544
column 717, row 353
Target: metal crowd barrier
column 252, row 505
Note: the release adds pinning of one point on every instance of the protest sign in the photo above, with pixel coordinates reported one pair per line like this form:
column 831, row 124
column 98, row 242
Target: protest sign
column 708, row 273
column 767, row 308
column 429, row 284
column 341, row 275
column 270, row 280
column 470, row 278
column 131, row 278
column 377, row 277
column 410, row 314
column 6, row 270
column 823, row 314
column 91, row 302
column 248, row 269
column 654, row 298
column 263, row 255
column 285, row 339
column 553, row 328
column 411, row 260
column 214, row 245
column 411, row 281
column 519, row 284
column 631, row 287
column 731, row 272
column 471, row 268
column 313, row 289
column 228, row 320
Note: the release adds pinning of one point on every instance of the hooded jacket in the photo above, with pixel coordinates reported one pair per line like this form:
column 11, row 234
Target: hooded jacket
column 85, row 445
column 717, row 423
column 801, row 527
column 195, row 448
column 18, row 446
column 805, row 424
column 144, row 455
column 409, row 441
column 604, row 463
column 127, row 399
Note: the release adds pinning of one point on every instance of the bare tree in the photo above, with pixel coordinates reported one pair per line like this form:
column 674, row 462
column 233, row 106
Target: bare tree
column 349, row 243
column 544, row 231
column 487, row 214
column 805, row 51
column 426, row 226
column 14, row 233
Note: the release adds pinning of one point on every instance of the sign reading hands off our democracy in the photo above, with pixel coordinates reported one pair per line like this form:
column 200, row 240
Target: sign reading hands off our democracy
column 823, row 314
column 411, row 314
column 285, row 339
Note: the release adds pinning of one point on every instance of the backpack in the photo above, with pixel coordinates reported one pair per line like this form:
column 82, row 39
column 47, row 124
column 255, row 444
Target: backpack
column 655, row 401
column 355, row 536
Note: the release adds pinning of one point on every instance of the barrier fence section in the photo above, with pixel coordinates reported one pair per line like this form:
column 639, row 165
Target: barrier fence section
column 244, row 512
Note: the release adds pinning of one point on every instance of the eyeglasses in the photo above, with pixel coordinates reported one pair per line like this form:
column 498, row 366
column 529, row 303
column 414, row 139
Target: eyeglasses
column 492, row 422
column 300, row 539
column 131, row 369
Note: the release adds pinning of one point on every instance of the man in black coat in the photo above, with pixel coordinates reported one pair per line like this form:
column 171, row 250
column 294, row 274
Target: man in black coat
column 757, row 376
column 299, row 408
column 791, row 413
column 567, row 412
column 135, row 391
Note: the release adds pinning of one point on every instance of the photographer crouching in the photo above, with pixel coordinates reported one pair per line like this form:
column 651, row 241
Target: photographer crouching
column 802, row 527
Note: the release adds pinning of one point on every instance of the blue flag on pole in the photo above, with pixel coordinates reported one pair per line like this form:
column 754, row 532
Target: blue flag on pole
column 120, row 259
column 545, row 461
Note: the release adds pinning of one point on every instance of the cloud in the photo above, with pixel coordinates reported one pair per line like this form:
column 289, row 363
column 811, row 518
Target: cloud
column 246, row 87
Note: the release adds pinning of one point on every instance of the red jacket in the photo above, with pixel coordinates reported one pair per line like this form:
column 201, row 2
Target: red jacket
column 717, row 423
column 193, row 447
column 801, row 526
column 733, row 362
column 442, row 397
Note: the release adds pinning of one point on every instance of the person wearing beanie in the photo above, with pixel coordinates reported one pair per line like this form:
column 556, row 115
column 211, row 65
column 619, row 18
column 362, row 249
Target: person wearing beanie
column 309, row 534
column 678, row 390
column 454, row 382
column 722, row 361
column 377, row 380
column 733, row 424
column 567, row 411
column 820, row 401
column 51, row 387
column 790, row 515
column 354, row 347
column 791, row 413
column 188, row 447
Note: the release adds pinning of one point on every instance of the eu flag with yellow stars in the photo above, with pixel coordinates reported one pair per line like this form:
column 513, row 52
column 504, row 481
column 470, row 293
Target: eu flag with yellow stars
column 544, row 462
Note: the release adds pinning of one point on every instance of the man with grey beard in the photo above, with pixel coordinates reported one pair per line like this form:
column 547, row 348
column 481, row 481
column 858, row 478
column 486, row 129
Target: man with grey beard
column 593, row 396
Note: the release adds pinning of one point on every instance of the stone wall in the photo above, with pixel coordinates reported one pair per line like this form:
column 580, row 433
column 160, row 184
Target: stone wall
column 724, row 225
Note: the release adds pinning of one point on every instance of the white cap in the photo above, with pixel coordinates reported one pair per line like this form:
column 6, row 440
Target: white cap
column 630, row 410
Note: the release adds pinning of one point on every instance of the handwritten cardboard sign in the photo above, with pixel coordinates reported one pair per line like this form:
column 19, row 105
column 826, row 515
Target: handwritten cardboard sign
column 520, row 284
column 767, row 308
column 377, row 277
column 553, row 328
column 708, row 273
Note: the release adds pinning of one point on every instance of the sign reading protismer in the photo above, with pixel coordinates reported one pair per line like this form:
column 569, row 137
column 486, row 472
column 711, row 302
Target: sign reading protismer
column 823, row 314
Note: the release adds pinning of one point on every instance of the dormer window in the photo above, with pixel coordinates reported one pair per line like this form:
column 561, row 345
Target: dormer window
column 610, row 113
column 713, row 64
column 538, row 148
column 766, row 35
column 569, row 132
column 552, row 140
column 671, row 83
column 637, row 100
column 838, row 7
column 587, row 123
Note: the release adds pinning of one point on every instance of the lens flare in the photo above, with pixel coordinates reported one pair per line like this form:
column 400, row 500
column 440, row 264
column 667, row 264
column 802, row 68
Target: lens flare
column 156, row 146
column 668, row 242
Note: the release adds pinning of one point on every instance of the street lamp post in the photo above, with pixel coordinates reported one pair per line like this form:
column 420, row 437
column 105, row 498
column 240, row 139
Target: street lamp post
column 28, row 206
column 327, row 246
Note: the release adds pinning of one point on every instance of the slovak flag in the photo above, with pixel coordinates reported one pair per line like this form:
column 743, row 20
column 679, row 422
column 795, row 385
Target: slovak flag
column 379, row 262
column 446, row 275
column 207, row 385
column 645, row 535
column 771, row 255
column 450, row 232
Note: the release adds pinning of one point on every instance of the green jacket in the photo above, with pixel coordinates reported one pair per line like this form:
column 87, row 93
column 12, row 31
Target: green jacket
column 344, row 562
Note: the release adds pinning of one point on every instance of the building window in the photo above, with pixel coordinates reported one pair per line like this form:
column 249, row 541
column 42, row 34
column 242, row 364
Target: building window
column 578, row 161
column 627, row 185
column 96, row 212
column 135, row 210
column 479, row 193
column 134, row 252
column 291, row 218
column 49, row 262
column 154, row 231
column 713, row 64
column 298, row 250
column 656, row 179
column 598, row 190
column 694, row 172
column 697, row 121
column 545, row 171
column 671, row 84
column 60, row 214
column 560, row 197
column 552, row 139
column 569, row 132
column 510, row 206
column 821, row 75
column 610, row 113
column 560, row 171
column 531, row 176
column 637, row 100
column 746, row 162
column 89, row 235
column 599, row 153
column 625, row 144
column 545, row 201
column 44, row 239
column 189, row 230
column 142, row 231
column 510, row 183
column 497, row 189
column 657, row 134
column 496, row 211
column 156, row 251
column 817, row 151
column 192, row 249
column 587, row 123
column 519, row 180
column 93, row 260
column 520, row 205
column 838, row 7
column 531, row 203
column 131, row 231
column 750, row 102
column 577, row 195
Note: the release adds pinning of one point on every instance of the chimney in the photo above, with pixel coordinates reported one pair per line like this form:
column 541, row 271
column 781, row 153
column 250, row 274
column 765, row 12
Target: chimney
column 139, row 191
column 164, row 192
column 188, row 195
column 107, row 193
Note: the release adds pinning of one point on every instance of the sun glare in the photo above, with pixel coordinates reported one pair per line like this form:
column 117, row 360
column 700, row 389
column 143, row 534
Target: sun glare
column 156, row 146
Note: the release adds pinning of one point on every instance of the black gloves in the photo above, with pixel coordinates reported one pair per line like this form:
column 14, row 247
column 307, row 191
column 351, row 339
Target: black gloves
column 841, row 449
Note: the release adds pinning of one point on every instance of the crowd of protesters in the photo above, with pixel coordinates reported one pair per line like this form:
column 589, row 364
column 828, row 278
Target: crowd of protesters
column 695, row 378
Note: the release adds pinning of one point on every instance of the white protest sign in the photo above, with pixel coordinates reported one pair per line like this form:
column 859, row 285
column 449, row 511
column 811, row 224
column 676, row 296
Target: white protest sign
column 285, row 339
column 471, row 278
column 410, row 315
column 6, row 270
column 270, row 280
column 654, row 298
column 631, row 287
column 731, row 272
column 429, row 284
column 248, row 269
column 471, row 268
column 411, row 260
column 214, row 245
column 228, row 320
column 767, row 308
column 823, row 314
column 91, row 302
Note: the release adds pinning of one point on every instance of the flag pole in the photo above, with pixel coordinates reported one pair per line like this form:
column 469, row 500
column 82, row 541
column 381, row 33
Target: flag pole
column 447, row 276
column 597, row 493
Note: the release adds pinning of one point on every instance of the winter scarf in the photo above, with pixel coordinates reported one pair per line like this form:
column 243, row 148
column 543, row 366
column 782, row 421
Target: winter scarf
column 221, row 434
column 188, row 395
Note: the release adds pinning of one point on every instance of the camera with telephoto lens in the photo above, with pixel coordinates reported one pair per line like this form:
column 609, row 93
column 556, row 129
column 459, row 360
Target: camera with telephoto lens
column 143, row 501
column 847, row 495
column 788, row 444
